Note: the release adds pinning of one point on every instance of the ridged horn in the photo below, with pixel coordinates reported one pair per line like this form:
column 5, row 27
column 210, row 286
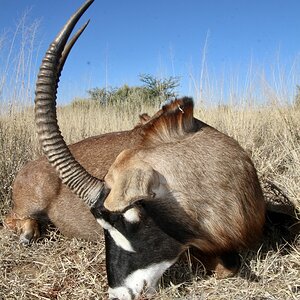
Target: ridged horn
column 54, row 147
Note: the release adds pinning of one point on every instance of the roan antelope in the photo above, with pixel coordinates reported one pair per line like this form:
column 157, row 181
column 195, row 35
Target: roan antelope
column 182, row 184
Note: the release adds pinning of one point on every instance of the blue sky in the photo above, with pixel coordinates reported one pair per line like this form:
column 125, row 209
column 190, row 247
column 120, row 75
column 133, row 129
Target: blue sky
column 164, row 38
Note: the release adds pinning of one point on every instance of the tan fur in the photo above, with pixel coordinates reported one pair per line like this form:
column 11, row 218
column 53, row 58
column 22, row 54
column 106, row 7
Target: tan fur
column 39, row 195
column 173, row 121
column 213, row 263
column 159, row 158
column 204, row 177
column 133, row 183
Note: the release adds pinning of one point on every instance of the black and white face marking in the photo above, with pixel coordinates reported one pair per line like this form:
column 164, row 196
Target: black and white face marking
column 137, row 253
column 119, row 239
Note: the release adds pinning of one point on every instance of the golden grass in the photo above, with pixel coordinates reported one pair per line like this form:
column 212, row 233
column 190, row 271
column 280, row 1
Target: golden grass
column 60, row 268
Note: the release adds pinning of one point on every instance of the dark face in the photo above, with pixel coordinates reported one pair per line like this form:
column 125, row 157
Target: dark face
column 137, row 252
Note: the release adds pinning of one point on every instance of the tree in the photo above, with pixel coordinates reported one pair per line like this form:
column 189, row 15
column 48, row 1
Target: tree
column 162, row 89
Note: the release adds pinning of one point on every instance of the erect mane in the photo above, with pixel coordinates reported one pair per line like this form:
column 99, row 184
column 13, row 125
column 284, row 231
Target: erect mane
column 173, row 121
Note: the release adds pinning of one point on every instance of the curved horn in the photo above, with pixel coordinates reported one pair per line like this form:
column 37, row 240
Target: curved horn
column 70, row 171
column 69, row 46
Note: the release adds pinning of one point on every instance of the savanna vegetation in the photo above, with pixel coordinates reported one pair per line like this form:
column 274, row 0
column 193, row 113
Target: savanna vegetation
column 56, row 267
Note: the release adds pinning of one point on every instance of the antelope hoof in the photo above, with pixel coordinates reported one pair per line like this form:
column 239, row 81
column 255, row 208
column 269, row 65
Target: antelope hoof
column 29, row 231
column 27, row 228
column 25, row 239
column 227, row 265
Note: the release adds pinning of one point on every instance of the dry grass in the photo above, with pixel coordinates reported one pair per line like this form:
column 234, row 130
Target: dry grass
column 60, row 268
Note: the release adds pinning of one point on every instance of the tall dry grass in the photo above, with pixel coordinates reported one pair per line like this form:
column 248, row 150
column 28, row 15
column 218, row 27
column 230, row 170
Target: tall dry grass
column 18, row 52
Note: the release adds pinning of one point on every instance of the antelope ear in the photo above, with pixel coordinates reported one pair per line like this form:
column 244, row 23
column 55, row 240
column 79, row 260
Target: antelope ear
column 132, row 184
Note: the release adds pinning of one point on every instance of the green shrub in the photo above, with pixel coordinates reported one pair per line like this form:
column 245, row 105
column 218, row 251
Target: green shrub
column 153, row 92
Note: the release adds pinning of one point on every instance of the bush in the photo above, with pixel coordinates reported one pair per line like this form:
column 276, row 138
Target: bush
column 153, row 92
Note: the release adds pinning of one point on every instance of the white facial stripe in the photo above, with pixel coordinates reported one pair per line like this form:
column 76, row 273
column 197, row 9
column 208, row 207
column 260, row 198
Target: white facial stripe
column 118, row 237
column 120, row 293
column 136, row 281
column 132, row 215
